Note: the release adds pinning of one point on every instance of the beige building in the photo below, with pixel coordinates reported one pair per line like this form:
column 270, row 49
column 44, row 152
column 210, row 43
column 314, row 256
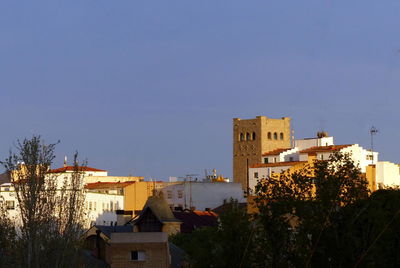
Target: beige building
column 254, row 137
column 119, row 246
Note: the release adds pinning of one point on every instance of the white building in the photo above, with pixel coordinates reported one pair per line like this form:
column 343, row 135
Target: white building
column 387, row 174
column 201, row 195
column 321, row 148
column 101, row 207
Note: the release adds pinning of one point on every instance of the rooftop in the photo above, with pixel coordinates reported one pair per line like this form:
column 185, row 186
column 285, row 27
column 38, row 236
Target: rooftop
column 72, row 168
column 104, row 185
column 276, row 151
column 278, row 164
column 320, row 149
column 195, row 219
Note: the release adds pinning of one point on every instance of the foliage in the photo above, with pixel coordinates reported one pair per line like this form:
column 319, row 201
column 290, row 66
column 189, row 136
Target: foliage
column 7, row 238
column 50, row 211
column 227, row 245
column 366, row 233
column 320, row 216
column 296, row 208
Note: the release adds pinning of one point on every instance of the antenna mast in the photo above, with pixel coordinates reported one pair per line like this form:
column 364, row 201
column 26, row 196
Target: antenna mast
column 373, row 131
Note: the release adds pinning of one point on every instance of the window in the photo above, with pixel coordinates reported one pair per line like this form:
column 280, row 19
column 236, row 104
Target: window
column 275, row 136
column 274, row 159
column 169, row 194
column 111, row 205
column 10, row 204
column 370, row 157
column 253, row 136
column 241, row 137
column 256, row 175
column 322, row 157
column 247, row 136
column 291, row 159
column 266, row 160
column 269, row 135
column 180, row 194
column 116, row 206
column 138, row 255
column 281, row 136
column 90, row 205
column 94, row 206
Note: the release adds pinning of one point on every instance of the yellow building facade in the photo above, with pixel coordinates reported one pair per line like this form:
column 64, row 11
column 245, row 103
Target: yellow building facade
column 137, row 193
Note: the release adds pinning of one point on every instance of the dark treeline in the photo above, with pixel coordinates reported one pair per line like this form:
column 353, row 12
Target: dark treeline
column 320, row 216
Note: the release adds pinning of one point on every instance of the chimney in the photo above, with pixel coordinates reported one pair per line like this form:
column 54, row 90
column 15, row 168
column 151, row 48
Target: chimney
column 65, row 161
column 123, row 216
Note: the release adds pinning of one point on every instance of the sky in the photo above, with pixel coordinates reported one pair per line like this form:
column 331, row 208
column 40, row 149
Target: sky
column 149, row 88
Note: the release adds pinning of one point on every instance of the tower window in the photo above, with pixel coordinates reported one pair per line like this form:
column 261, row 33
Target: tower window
column 253, row 136
column 281, row 136
column 269, row 135
column 247, row 136
column 266, row 160
column 241, row 137
column 275, row 136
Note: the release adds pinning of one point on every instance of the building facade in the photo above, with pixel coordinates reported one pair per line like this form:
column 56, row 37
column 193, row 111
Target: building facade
column 252, row 138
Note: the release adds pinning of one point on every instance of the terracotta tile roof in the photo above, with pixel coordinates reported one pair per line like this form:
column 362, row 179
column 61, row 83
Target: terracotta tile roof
column 71, row 168
column 276, row 151
column 320, row 149
column 104, row 185
column 278, row 164
column 195, row 219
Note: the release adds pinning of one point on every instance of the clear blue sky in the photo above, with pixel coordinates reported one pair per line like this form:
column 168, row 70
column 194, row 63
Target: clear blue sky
column 150, row 87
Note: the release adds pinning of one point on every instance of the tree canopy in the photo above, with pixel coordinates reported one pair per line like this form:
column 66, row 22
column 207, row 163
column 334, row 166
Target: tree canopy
column 320, row 216
column 48, row 225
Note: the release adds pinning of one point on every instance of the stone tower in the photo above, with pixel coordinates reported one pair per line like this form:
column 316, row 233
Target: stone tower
column 252, row 138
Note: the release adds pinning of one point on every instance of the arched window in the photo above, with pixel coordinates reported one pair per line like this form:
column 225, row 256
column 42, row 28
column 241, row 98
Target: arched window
column 253, row 136
column 241, row 137
column 275, row 136
column 269, row 135
column 247, row 136
column 281, row 136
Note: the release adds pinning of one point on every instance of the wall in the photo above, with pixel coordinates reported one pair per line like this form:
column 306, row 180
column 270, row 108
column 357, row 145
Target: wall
column 99, row 213
column 265, row 172
column 7, row 194
column 359, row 156
column 250, row 150
column 93, row 179
column 155, row 245
column 202, row 195
column 308, row 143
column 137, row 193
column 387, row 174
column 100, row 207
column 370, row 174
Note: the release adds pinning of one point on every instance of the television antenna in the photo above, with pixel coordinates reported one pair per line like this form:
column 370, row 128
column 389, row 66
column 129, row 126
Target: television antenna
column 373, row 131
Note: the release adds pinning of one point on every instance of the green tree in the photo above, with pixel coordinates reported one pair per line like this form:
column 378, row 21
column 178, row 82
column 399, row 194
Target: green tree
column 230, row 244
column 297, row 208
column 366, row 233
